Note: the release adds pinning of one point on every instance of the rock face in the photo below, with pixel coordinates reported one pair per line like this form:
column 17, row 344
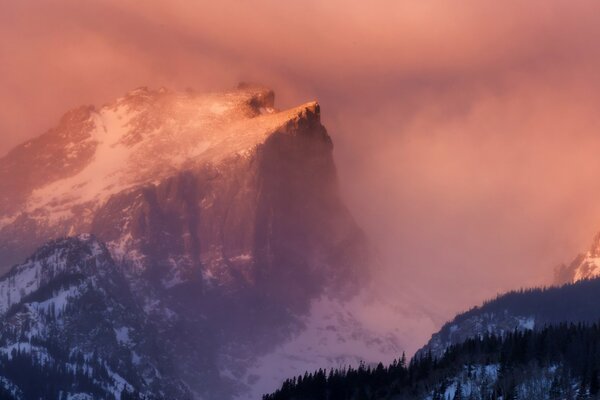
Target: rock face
column 220, row 188
column 584, row 266
column 221, row 213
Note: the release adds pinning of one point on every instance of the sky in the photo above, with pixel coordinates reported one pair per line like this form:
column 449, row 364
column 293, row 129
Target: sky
column 466, row 133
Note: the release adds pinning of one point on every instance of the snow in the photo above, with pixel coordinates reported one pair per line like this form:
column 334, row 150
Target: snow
column 23, row 281
column 96, row 247
column 25, row 347
column 334, row 334
column 11, row 387
column 589, row 268
column 526, row 323
column 175, row 276
column 7, row 220
column 146, row 136
column 476, row 326
column 59, row 300
column 242, row 258
column 98, row 178
column 478, row 381
column 471, row 380
column 219, row 108
column 122, row 336
column 135, row 358
column 119, row 383
column 124, row 249
column 26, row 278
column 80, row 396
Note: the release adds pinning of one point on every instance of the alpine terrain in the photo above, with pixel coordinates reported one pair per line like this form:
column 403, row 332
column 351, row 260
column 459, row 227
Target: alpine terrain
column 573, row 299
column 178, row 245
column 538, row 344
column 584, row 266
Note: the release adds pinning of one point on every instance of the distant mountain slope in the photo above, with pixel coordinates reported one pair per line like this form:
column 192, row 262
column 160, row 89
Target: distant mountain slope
column 70, row 324
column 557, row 362
column 521, row 310
column 69, row 320
column 584, row 266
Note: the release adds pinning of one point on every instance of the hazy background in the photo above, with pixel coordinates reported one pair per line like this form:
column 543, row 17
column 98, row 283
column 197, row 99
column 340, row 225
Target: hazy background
column 467, row 132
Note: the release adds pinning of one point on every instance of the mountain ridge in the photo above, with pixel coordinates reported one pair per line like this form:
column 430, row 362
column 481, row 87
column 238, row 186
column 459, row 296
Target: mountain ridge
column 70, row 172
column 584, row 265
column 75, row 314
column 222, row 215
column 523, row 310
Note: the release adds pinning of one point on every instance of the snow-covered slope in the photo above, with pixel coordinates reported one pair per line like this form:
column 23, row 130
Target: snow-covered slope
column 68, row 312
column 146, row 136
column 68, row 174
column 50, row 262
column 476, row 325
column 529, row 309
column 182, row 186
column 333, row 334
column 584, row 266
column 222, row 215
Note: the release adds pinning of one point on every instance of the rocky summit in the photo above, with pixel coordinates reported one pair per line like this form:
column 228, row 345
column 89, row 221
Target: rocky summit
column 584, row 266
column 205, row 240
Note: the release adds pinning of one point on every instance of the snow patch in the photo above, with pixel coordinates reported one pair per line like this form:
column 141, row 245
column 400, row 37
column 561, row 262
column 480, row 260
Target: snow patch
column 334, row 334
column 122, row 336
column 58, row 301
column 139, row 142
column 589, row 268
column 23, row 281
column 526, row 323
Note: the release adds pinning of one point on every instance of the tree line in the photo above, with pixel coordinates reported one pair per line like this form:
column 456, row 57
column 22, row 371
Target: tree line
column 557, row 362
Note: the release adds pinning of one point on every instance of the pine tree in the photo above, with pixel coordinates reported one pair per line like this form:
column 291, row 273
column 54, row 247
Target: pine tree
column 594, row 383
column 458, row 394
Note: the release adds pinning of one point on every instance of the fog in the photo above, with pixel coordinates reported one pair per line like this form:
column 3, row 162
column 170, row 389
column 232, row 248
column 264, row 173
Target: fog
column 466, row 133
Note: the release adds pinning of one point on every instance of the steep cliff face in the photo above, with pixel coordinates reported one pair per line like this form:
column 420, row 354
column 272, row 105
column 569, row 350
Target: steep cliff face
column 221, row 213
column 220, row 188
column 271, row 217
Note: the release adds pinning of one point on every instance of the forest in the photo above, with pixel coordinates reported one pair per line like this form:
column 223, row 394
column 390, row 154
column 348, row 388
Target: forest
column 556, row 362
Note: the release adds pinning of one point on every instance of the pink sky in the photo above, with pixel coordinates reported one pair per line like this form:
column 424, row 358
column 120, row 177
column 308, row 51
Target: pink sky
column 467, row 132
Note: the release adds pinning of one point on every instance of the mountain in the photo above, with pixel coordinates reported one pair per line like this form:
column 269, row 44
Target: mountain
column 223, row 219
column 521, row 310
column 573, row 298
column 539, row 343
column 556, row 362
column 70, row 320
column 219, row 187
column 584, row 266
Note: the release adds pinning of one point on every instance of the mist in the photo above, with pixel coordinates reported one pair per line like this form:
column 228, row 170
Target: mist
column 466, row 134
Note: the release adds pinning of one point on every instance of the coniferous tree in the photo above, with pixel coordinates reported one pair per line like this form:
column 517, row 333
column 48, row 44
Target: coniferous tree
column 458, row 392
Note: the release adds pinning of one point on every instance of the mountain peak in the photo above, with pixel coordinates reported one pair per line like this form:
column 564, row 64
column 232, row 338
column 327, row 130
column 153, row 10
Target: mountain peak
column 138, row 139
column 584, row 266
column 222, row 222
column 589, row 265
column 595, row 247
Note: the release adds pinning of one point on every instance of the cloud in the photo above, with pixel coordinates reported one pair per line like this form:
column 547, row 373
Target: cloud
column 466, row 132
